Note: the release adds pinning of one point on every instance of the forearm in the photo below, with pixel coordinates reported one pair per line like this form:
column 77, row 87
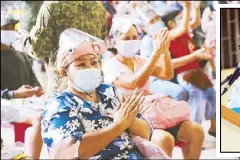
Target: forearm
column 182, row 61
column 196, row 21
column 140, row 127
column 183, row 27
column 164, row 70
column 212, row 65
column 142, row 76
column 205, row 19
column 94, row 142
column 186, row 19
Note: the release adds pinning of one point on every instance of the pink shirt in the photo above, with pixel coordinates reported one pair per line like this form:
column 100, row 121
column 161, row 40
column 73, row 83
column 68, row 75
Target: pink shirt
column 113, row 68
column 162, row 111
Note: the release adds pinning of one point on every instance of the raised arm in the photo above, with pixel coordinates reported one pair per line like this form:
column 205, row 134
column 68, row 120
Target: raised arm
column 164, row 69
column 183, row 28
column 196, row 19
column 151, row 66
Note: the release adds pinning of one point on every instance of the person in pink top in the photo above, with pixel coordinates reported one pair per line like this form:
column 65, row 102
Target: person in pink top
column 202, row 95
column 128, row 71
column 208, row 25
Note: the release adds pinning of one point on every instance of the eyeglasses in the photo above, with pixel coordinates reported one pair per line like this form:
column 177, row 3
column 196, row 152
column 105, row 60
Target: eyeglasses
column 231, row 79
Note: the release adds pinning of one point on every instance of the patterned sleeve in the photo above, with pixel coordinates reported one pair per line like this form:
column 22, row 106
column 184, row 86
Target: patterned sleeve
column 61, row 124
column 39, row 43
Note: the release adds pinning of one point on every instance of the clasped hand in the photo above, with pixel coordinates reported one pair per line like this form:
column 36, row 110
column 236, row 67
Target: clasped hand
column 161, row 41
column 127, row 111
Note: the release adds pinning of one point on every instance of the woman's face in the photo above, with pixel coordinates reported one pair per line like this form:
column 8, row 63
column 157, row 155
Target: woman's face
column 84, row 62
column 132, row 34
column 128, row 44
column 84, row 74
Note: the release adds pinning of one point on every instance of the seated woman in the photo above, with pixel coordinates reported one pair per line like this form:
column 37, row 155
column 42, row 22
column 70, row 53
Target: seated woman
column 202, row 95
column 128, row 71
column 152, row 23
column 89, row 111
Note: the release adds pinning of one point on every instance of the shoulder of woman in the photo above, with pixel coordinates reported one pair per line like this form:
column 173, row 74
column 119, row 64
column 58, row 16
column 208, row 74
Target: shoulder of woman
column 63, row 101
column 103, row 87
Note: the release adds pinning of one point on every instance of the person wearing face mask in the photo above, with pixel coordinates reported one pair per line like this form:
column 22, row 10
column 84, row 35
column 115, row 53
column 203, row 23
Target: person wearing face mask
column 128, row 71
column 202, row 95
column 153, row 24
column 208, row 24
column 19, row 81
column 22, row 74
column 90, row 111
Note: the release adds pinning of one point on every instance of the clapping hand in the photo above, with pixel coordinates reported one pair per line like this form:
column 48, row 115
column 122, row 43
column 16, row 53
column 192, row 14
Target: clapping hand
column 161, row 41
column 128, row 109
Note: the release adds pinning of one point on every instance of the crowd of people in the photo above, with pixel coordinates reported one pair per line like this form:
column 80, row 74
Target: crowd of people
column 116, row 70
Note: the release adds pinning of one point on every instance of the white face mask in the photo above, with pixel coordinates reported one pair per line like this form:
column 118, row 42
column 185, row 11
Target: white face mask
column 128, row 48
column 86, row 80
column 155, row 27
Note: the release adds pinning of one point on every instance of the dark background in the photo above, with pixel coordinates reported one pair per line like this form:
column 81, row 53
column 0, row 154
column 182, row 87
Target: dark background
column 230, row 37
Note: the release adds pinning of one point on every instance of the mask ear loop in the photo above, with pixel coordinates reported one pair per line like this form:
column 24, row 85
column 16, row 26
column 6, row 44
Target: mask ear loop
column 97, row 50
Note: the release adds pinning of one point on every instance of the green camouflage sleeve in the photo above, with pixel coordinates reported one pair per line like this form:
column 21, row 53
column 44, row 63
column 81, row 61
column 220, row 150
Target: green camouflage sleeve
column 39, row 43
column 104, row 28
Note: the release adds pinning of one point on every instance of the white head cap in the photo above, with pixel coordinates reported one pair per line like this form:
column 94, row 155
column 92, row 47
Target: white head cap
column 74, row 43
column 122, row 24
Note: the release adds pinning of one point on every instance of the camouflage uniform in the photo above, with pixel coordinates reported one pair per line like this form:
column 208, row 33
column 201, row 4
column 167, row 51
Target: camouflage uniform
column 53, row 18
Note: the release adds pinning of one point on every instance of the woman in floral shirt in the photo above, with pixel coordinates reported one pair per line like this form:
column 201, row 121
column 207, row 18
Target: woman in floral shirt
column 89, row 111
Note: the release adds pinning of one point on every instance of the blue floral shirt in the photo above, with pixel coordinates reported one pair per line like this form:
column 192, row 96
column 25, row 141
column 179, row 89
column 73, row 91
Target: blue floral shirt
column 69, row 115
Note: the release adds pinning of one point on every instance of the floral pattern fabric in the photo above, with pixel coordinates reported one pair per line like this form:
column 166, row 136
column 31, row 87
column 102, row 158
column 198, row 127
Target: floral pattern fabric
column 69, row 115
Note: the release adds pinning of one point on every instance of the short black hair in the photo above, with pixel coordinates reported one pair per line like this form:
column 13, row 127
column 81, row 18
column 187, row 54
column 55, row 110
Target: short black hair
column 169, row 15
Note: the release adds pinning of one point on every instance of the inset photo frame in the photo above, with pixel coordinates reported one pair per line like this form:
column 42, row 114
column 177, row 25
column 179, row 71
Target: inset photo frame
column 228, row 64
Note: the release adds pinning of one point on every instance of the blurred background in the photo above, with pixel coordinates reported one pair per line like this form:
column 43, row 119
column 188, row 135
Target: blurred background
column 230, row 57
column 230, row 38
column 26, row 12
